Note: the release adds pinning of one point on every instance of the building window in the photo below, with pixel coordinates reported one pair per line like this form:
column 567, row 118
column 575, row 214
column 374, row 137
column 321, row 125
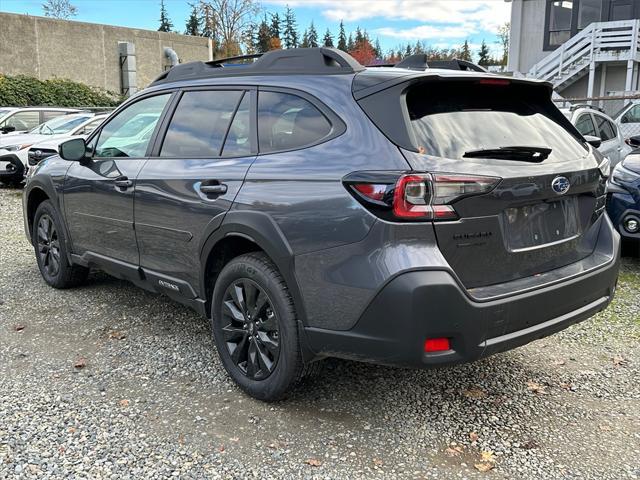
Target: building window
column 590, row 11
column 560, row 16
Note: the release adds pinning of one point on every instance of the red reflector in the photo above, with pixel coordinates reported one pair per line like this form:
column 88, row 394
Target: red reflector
column 371, row 190
column 494, row 81
column 436, row 345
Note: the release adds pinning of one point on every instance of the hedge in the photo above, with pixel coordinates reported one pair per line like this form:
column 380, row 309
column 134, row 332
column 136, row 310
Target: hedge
column 24, row 91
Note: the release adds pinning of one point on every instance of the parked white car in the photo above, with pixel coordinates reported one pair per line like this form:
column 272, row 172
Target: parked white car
column 14, row 148
column 592, row 122
column 22, row 119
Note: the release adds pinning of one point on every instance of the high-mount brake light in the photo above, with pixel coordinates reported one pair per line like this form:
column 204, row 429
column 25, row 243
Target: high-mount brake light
column 495, row 81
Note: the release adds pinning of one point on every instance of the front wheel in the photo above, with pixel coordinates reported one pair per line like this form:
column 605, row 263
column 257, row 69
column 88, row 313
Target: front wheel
column 51, row 249
column 255, row 327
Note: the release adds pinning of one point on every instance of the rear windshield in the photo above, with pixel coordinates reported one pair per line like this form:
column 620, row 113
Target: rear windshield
column 451, row 119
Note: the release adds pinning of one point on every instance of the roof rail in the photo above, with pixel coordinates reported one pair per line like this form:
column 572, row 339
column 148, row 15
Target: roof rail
column 299, row 61
column 420, row 62
column 576, row 106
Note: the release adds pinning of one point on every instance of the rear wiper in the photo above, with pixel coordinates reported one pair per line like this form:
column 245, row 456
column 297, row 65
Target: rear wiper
column 524, row 154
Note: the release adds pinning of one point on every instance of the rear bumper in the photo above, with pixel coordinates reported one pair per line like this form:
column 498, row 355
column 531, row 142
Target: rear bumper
column 425, row 304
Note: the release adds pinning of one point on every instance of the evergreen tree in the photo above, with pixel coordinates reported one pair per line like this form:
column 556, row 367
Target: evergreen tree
column 312, row 37
column 465, row 52
column 359, row 36
column 378, row 49
column 342, row 38
column 165, row 23
column 263, row 37
column 327, row 41
column 193, row 22
column 350, row 43
column 274, row 29
column 305, row 40
column 483, row 55
column 290, row 29
column 408, row 51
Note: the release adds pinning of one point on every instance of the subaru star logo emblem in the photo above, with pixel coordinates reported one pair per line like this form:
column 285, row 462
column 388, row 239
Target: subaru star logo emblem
column 561, row 185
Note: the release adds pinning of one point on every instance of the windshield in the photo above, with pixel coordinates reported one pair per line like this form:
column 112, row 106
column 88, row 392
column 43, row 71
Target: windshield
column 60, row 125
column 452, row 120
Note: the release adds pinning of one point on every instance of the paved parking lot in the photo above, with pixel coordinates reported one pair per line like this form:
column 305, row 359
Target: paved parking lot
column 108, row 381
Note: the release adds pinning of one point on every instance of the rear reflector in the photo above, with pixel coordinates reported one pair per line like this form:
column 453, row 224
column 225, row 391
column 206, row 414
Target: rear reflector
column 371, row 190
column 436, row 345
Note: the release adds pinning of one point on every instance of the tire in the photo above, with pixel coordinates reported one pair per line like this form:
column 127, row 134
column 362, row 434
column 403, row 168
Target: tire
column 247, row 338
column 51, row 249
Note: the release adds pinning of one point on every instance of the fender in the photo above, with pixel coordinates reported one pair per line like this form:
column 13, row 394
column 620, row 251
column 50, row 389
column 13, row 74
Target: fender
column 261, row 229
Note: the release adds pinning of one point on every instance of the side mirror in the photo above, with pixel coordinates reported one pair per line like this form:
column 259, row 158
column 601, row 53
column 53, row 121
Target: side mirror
column 74, row 150
column 8, row 129
column 633, row 141
column 595, row 142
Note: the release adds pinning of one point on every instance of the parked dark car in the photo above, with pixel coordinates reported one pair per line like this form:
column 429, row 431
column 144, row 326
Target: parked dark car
column 623, row 200
column 312, row 208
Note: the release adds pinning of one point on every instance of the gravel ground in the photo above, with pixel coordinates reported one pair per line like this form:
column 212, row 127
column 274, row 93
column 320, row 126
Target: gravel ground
column 108, row 381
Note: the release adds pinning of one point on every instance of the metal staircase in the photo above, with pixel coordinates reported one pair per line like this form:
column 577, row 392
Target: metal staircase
column 599, row 43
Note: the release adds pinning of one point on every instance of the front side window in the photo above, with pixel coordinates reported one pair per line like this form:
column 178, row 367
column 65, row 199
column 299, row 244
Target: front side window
column 287, row 122
column 200, row 123
column 632, row 115
column 560, row 16
column 585, row 125
column 606, row 128
column 128, row 133
column 90, row 127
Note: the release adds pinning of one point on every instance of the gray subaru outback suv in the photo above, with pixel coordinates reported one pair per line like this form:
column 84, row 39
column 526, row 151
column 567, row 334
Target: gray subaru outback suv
column 313, row 208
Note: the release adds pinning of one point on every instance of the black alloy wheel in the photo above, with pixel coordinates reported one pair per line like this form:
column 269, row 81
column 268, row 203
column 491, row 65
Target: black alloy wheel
column 48, row 245
column 250, row 326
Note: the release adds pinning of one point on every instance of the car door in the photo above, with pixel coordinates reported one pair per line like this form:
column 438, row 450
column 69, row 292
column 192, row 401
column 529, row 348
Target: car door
column 611, row 146
column 186, row 187
column 98, row 193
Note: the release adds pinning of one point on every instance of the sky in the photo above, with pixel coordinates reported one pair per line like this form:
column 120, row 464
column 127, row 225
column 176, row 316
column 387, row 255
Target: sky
column 438, row 23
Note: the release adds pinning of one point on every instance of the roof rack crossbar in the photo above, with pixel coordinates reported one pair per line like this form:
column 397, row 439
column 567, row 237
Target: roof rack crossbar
column 300, row 61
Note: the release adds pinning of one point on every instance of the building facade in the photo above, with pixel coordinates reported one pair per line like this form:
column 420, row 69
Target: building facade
column 586, row 48
column 120, row 60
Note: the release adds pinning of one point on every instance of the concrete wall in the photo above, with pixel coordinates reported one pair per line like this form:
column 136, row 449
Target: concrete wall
column 87, row 52
column 527, row 34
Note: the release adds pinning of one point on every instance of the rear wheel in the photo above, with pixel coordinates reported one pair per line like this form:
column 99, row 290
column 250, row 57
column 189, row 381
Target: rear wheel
column 255, row 327
column 51, row 249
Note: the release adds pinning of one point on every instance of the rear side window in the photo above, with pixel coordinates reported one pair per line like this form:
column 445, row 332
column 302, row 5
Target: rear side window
column 200, row 123
column 606, row 128
column 454, row 119
column 585, row 125
column 288, row 122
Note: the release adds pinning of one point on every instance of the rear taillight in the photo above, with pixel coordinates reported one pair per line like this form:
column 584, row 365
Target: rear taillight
column 429, row 196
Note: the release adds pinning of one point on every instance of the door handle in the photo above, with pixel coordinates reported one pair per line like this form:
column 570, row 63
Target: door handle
column 219, row 189
column 123, row 182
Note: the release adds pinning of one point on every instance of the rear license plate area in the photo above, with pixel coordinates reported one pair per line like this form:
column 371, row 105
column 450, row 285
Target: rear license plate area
column 541, row 224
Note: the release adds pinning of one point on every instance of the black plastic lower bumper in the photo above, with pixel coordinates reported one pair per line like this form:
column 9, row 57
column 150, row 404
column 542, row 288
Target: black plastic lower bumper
column 431, row 304
column 14, row 170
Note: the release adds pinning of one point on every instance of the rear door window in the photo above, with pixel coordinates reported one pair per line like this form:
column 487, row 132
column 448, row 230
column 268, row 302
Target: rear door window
column 289, row 122
column 200, row 123
column 606, row 129
column 238, row 141
column 452, row 119
column 585, row 125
